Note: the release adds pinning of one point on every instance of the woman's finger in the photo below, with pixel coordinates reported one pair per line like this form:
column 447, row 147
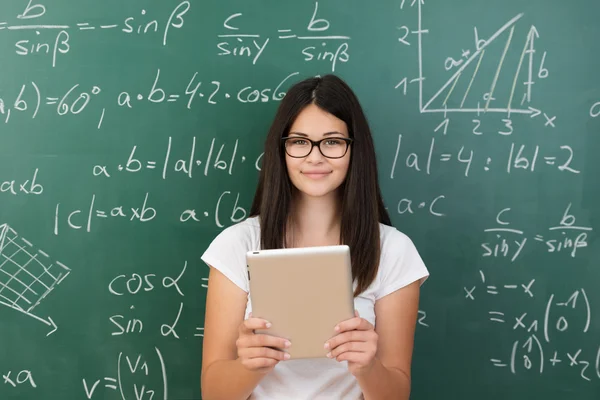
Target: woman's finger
column 348, row 346
column 356, row 323
column 351, row 336
column 259, row 363
column 251, row 324
column 353, row 357
column 263, row 340
column 264, row 352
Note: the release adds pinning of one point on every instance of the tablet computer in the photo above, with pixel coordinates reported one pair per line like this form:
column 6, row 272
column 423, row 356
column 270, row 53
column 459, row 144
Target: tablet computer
column 303, row 293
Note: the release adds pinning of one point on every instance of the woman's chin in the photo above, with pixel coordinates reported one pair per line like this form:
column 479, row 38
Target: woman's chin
column 317, row 192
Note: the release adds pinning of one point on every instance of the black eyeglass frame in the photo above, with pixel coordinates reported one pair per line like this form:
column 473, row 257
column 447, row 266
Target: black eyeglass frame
column 318, row 144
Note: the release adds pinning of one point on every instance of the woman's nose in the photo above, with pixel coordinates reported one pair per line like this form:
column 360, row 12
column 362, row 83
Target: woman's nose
column 315, row 154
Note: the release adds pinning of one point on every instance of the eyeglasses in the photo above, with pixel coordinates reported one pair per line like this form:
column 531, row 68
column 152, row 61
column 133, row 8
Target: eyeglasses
column 299, row 147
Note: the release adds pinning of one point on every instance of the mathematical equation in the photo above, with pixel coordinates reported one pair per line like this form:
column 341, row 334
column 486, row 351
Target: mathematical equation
column 572, row 237
column 218, row 157
column 515, row 158
column 135, row 368
column 60, row 44
column 78, row 219
column 536, row 352
column 232, row 42
column 523, row 359
column 76, row 99
column 557, row 319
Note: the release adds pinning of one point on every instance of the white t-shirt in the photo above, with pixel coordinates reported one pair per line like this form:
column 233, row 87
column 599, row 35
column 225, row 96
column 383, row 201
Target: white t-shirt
column 314, row 379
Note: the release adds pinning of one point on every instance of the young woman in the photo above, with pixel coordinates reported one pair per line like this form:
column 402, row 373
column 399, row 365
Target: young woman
column 317, row 187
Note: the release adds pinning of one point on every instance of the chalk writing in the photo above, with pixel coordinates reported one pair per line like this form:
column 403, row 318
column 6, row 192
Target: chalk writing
column 564, row 237
column 27, row 275
column 238, row 41
column 77, row 98
column 24, row 377
column 27, row 186
column 131, row 136
column 219, row 157
column 139, row 366
column 514, row 158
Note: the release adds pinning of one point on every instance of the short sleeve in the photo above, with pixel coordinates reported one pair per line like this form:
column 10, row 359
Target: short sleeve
column 400, row 264
column 227, row 254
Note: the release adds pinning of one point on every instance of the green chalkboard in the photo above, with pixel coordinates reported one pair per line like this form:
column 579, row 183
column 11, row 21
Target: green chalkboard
column 131, row 135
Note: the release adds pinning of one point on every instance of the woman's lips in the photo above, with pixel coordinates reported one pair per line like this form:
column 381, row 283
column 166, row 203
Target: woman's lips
column 315, row 175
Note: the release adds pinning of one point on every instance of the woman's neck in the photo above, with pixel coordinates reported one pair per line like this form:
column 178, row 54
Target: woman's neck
column 314, row 221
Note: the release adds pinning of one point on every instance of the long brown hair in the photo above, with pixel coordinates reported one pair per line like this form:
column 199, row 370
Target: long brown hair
column 362, row 207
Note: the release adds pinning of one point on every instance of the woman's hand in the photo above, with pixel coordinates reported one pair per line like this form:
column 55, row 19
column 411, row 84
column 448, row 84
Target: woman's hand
column 257, row 351
column 355, row 342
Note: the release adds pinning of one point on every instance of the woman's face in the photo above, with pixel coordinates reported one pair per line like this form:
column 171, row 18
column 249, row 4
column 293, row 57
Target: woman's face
column 316, row 175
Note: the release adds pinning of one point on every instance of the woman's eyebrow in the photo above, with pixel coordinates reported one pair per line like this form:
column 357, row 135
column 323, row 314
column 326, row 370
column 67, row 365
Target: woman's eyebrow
column 325, row 134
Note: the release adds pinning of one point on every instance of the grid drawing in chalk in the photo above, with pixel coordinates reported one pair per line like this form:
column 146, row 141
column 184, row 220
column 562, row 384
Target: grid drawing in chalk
column 27, row 274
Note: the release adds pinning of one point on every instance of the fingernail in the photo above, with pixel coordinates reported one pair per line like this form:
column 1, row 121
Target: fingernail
column 326, row 345
column 286, row 356
column 337, row 328
column 329, row 355
column 287, row 343
column 268, row 324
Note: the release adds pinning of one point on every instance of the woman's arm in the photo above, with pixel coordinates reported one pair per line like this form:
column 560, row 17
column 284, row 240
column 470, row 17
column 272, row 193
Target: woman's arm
column 223, row 375
column 389, row 377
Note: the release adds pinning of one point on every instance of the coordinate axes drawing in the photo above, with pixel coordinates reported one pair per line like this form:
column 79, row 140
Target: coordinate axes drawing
column 467, row 67
column 27, row 274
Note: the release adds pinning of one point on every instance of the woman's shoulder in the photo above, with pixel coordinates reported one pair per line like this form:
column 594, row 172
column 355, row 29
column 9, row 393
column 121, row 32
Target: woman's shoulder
column 249, row 227
column 227, row 251
column 398, row 248
column 391, row 236
column 241, row 236
column 400, row 261
column 251, row 223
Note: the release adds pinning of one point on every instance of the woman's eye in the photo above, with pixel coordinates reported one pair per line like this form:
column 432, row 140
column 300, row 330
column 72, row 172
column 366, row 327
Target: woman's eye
column 298, row 142
column 334, row 142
